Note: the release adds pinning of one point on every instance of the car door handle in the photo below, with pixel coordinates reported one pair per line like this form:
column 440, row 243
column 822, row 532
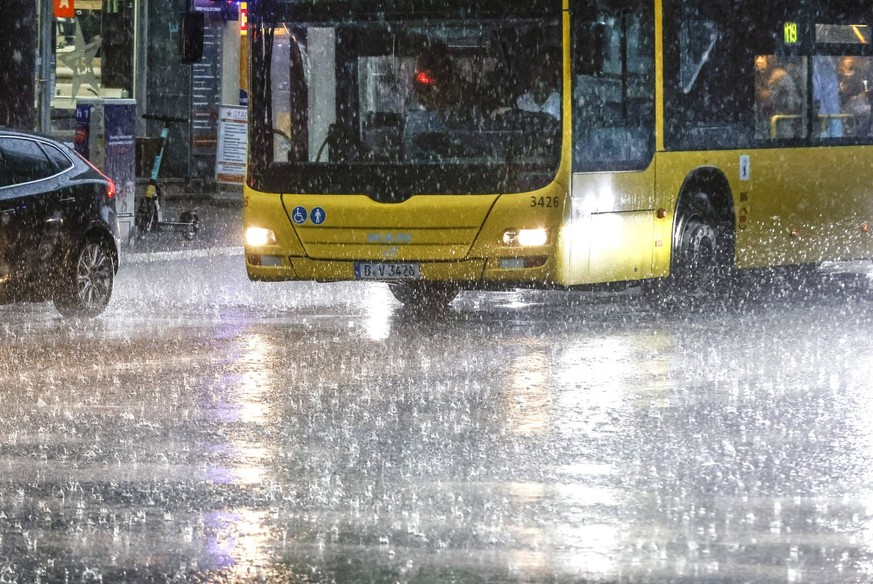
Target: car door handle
column 68, row 200
column 7, row 212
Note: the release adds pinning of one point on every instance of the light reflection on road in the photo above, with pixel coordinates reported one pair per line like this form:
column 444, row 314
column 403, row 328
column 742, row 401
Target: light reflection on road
column 529, row 437
column 240, row 539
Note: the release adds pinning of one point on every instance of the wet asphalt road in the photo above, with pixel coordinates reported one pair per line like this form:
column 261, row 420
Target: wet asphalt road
column 207, row 429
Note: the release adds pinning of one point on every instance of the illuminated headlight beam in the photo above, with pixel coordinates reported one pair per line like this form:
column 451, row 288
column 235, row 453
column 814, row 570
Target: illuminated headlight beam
column 259, row 237
column 526, row 237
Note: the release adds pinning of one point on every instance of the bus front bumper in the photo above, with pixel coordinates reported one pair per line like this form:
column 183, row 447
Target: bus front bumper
column 468, row 271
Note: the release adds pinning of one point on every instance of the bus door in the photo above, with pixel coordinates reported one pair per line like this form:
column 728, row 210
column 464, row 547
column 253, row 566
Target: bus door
column 613, row 73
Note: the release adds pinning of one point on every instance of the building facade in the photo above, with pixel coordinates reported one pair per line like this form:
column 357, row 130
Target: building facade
column 56, row 52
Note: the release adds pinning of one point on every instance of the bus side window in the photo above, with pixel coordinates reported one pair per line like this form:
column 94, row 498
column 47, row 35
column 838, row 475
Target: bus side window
column 780, row 97
column 842, row 76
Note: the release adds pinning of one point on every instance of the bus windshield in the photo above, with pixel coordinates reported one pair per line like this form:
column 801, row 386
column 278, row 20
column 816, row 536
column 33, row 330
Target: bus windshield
column 392, row 108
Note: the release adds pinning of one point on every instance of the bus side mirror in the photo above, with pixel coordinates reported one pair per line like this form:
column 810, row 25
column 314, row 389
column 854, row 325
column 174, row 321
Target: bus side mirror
column 191, row 37
column 589, row 50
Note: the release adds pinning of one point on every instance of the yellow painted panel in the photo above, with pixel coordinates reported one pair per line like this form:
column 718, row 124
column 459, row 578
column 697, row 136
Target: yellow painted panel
column 266, row 210
column 270, row 273
column 621, row 246
column 809, row 205
column 601, row 204
column 417, row 252
column 546, row 274
column 421, row 211
column 425, row 227
column 326, row 271
column 411, row 236
column 536, row 210
column 614, row 192
column 791, row 207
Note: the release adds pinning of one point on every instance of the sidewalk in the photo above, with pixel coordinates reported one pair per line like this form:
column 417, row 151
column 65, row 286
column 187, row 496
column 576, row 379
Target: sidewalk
column 220, row 225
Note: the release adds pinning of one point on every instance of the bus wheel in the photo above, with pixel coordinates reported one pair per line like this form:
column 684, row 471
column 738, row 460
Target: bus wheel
column 701, row 260
column 424, row 295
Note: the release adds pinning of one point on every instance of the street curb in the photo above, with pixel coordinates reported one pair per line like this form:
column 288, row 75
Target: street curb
column 187, row 254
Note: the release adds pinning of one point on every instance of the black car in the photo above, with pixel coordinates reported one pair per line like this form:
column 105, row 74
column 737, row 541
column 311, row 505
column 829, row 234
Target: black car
column 59, row 237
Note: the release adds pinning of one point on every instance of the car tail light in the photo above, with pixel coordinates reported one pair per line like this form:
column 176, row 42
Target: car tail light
column 110, row 188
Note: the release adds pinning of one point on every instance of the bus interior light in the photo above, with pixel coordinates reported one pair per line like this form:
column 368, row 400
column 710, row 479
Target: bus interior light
column 259, row 236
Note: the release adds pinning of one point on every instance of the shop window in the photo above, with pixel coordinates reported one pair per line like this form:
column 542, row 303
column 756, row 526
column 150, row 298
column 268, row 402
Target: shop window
column 78, row 57
column 94, row 52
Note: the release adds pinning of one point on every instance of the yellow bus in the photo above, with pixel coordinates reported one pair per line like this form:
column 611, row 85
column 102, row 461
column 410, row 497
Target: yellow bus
column 441, row 145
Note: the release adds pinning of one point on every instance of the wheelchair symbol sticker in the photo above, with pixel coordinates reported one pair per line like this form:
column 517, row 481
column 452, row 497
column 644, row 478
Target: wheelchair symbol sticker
column 318, row 216
column 298, row 215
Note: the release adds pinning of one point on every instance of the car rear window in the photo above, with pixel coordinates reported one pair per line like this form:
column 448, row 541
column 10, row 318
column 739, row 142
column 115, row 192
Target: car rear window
column 23, row 161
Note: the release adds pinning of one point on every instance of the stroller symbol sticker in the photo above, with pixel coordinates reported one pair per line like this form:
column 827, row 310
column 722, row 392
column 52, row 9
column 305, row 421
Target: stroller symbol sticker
column 298, row 215
column 318, row 216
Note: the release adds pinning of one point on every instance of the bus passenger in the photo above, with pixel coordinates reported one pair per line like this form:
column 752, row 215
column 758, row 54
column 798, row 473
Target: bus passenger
column 778, row 100
column 854, row 89
column 826, row 97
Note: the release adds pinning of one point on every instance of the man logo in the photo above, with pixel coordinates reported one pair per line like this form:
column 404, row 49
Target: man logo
column 389, row 238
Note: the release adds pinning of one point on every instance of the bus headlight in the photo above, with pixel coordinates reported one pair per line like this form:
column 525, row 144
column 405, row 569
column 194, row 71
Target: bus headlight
column 525, row 237
column 259, row 237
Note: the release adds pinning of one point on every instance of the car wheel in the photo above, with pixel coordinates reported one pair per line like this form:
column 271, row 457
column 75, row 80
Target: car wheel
column 424, row 295
column 87, row 281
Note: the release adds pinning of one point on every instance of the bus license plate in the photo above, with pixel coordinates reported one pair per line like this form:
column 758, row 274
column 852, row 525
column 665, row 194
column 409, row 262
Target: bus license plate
column 386, row 271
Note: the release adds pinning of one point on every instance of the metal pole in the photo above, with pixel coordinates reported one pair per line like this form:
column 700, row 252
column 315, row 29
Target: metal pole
column 46, row 66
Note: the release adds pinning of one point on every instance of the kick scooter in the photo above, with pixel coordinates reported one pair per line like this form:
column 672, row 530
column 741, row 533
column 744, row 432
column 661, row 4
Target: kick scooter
column 149, row 214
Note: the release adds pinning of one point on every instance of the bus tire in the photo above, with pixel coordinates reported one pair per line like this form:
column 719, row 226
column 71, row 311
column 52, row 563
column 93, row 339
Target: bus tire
column 702, row 255
column 424, row 296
